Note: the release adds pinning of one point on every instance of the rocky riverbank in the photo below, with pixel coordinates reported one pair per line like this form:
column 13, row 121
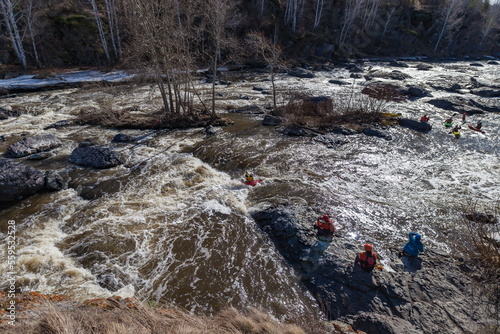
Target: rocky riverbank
column 429, row 294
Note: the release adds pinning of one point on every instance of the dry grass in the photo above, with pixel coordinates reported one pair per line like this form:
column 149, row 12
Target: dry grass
column 41, row 314
column 351, row 108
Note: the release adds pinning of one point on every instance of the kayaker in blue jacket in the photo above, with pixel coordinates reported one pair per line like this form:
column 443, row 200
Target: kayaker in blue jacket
column 414, row 246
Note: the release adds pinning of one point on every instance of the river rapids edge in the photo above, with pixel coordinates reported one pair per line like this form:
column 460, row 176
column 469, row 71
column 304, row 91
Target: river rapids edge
column 406, row 299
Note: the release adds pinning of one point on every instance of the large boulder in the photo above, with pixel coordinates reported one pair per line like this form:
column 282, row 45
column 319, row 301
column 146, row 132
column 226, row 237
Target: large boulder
column 294, row 130
column 54, row 181
column 486, row 92
column 18, row 180
column 458, row 104
column 60, row 124
column 416, row 91
column 91, row 155
column 301, row 73
column 415, row 125
column 252, row 109
column 123, row 138
column 35, row 144
column 393, row 75
column 331, row 140
column 429, row 294
column 270, row 120
column 376, row 133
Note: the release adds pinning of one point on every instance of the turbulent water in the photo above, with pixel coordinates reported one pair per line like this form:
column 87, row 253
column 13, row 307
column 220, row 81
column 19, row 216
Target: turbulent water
column 173, row 224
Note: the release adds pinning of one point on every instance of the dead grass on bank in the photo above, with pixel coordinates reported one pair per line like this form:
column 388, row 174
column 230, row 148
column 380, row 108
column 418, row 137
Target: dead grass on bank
column 117, row 315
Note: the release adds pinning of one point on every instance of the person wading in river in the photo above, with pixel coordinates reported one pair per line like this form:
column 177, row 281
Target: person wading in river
column 367, row 259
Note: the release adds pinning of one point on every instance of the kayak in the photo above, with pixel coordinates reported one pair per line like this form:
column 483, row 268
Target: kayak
column 475, row 129
column 448, row 125
column 252, row 183
column 457, row 134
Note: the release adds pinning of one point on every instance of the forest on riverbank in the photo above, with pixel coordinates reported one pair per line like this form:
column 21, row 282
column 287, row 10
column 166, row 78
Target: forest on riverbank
column 57, row 33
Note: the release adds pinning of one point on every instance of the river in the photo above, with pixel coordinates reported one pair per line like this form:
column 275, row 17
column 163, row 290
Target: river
column 173, row 223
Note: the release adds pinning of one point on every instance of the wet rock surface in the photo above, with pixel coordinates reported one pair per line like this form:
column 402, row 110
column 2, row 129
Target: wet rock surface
column 415, row 125
column 271, row 120
column 35, row 144
column 301, row 73
column 123, row 138
column 331, row 141
column 252, row 109
column 18, row 180
column 90, row 155
column 60, row 124
column 410, row 295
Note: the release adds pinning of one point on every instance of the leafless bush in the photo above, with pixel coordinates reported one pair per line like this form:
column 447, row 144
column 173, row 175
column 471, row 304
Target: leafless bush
column 347, row 108
column 477, row 237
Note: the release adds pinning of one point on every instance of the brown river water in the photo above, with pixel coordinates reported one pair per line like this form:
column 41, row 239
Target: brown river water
column 173, row 223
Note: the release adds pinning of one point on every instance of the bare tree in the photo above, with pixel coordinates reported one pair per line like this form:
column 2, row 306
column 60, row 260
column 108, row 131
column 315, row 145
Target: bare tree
column 12, row 21
column 100, row 28
column 351, row 12
column 371, row 8
column 220, row 15
column 271, row 52
column 291, row 12
column 30, row 23
column 492, row 21
column 388, row 21
column 318, row 12
column 451, row 18
column 159, row 43
column 114, row 30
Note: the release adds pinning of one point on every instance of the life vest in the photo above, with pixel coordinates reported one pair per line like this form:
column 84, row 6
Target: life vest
column 326, row 225
column 367, row 260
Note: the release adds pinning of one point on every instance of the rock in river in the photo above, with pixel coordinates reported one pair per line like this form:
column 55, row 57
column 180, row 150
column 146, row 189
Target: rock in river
column 91, row 155
column 35, row 144
column 18, row 180
column 415, row 125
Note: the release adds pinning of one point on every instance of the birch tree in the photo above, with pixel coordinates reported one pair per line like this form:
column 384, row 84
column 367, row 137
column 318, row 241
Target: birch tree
column 100, row 28
column 12, row 20
column 451, row 18
column 351, row 12
column 114, row 30
column 492, row 21
column 30, row 23
column 291, row 12
column 318, row 12
column 371, row 8
column 220, row 15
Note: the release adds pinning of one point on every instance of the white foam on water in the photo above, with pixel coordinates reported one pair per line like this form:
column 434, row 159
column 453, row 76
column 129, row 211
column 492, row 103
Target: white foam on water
column 40, row 264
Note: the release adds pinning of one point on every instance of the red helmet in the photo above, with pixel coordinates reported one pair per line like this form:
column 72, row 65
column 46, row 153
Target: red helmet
column 326, row 217
column 368, row 247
